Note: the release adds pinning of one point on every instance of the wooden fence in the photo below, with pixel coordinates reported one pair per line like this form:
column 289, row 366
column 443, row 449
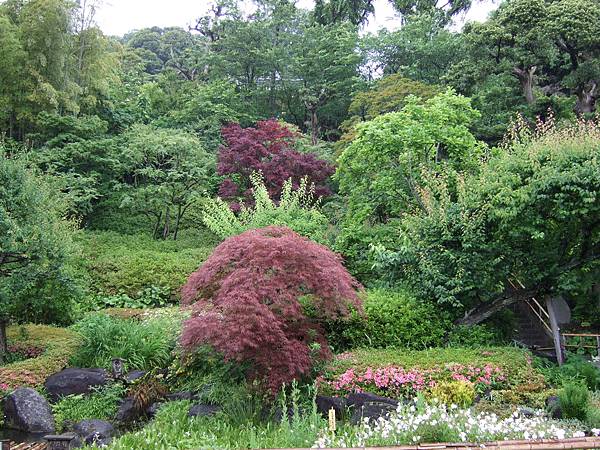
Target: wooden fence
column 583, row 443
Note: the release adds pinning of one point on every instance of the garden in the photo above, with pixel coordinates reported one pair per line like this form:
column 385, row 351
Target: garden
column 200, row 251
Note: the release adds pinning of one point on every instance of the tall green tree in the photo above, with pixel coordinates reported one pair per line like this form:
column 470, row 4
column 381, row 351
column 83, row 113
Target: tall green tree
column 35, row 247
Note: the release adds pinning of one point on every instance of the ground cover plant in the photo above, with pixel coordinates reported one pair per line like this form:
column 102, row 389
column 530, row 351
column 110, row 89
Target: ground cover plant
column 58, row 346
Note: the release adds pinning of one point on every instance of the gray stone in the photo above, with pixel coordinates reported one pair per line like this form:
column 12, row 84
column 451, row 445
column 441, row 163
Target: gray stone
column 356, row 400
column 202, row 410
column 153, row 409
column 134, row 375
column 127, row 411
column 325, row 404
column 74, row 381
column 94, row 426
column 26, row 410
column 526, row 411
column 372, row 411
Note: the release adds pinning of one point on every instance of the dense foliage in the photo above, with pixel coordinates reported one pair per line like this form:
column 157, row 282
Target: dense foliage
column 529, row 216
column 268, row 149
column 297, row 209
column 258, row 300
column 35, row 280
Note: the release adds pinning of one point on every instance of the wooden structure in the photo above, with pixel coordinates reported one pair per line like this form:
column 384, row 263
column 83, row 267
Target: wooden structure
column 547, row 316
column 8, row 445
column 583, row 443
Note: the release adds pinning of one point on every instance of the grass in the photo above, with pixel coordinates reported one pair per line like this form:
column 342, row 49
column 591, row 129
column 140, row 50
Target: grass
column 59, row 344
column 173, row 430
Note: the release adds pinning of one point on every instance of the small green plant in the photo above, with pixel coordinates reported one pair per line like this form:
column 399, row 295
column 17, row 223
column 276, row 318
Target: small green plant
column 578, row 368
column 460, row 393
column 101, row 404
column 574, row 399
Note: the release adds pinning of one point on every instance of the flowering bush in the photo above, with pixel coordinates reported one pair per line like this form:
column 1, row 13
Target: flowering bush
column 259, row 298
column 398, row 382
column 430, row 423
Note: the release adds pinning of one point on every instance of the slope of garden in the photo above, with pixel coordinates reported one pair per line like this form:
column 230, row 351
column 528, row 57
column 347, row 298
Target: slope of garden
column 274, row 230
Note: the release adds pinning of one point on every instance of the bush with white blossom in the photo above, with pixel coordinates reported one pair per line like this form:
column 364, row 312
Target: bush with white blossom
column 420, row 422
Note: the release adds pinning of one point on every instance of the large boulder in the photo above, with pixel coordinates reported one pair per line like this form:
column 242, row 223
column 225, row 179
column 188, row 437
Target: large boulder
column 94, row 432
column 553, row 407
column 325, row 404
column 128, row 412
column 26, row 410
column 74, row 381
column 358, row 399
column 371, row 411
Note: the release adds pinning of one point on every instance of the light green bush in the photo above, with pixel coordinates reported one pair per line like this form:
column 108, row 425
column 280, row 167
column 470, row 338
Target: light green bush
column 458, row 393
column 131, row 264
column 298, row 209
column 574, row 399
column 391, row 319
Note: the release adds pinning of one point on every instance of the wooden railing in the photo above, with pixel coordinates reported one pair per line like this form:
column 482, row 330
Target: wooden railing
column 583, row 443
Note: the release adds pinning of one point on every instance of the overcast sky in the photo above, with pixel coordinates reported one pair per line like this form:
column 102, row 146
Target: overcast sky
column 117, row 17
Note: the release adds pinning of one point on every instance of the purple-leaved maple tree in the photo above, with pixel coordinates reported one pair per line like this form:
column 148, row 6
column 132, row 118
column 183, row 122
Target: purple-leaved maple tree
column 269, row 148
column 250, row 302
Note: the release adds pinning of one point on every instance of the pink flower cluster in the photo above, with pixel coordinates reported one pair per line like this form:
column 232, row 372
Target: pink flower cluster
column 397, row 381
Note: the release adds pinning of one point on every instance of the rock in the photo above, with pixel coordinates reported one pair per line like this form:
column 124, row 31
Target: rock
column 65, row 440
column 74, row 381
column 153, row 409
column 127, row 411
column 526, row 411
column 183, row 395
column 553, row 407
column 201, row 410
column 26, row 410
column 356, row 400
column 134, row 375
column 324, row 404
column 372, row 411
column 95, row 427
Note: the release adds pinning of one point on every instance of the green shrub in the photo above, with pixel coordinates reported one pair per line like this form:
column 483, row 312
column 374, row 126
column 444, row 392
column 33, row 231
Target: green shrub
column 578, row 368
column 474, row 336
column 574, row 399
column 392, row 319
column 141, row 344
column 460, row 393
column 297, row 209
column 101, row 404
column 592, row 417
column 138, row 266
column 59, row 345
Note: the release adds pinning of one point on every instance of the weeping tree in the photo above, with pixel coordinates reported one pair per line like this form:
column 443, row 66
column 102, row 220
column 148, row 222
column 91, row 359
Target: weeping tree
column 35, row 281
column 528, row 224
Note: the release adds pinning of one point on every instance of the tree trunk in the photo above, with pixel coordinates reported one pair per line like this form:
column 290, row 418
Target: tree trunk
column 486, row 310
column 166, row 228
column 586, row 98
column 314, row 126
column 525, row 77
column 3, row 341
column 177, row 221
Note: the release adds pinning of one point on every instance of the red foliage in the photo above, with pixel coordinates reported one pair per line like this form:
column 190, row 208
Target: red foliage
column 268, row 148
column 247, row 302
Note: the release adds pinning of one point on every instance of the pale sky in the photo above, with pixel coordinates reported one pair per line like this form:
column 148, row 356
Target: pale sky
column 117, row 17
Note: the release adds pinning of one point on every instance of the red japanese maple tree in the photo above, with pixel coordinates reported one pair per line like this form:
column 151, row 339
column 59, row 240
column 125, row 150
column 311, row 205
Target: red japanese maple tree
column 270, row 149
column 259, row 297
